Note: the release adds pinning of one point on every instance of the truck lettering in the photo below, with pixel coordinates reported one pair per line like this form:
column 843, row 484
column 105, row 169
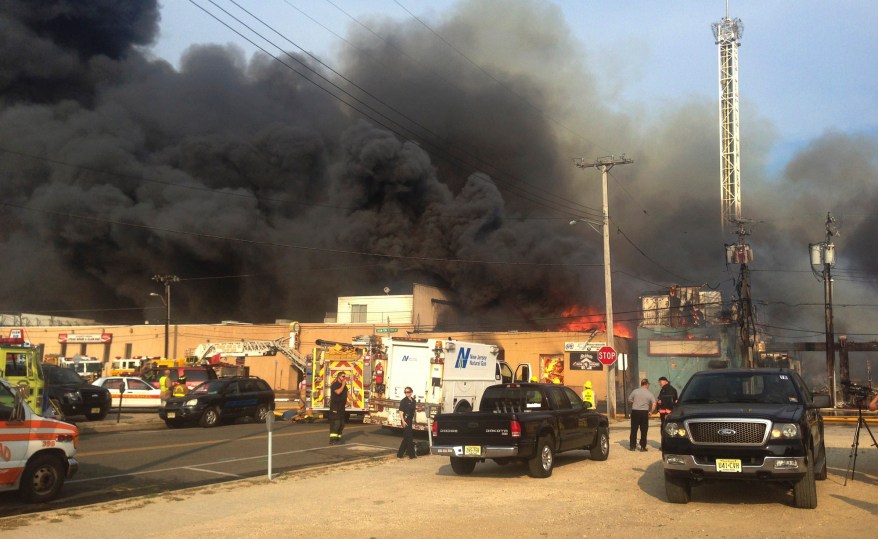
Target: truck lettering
column 466, row 357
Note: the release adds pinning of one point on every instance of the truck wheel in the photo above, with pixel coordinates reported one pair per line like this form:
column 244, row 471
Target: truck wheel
column 601, row 449
column 210, row 417
column 42, row 479
column 462, row 466
column 261, row 412
column 805, row 489
column 820, row 474
column 678, row 490
column 540, row 465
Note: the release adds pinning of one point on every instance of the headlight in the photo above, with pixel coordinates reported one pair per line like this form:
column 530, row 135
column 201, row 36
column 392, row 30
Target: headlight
column 72, row 396
column 191, row 402
column 675, row 430
column 784, row 431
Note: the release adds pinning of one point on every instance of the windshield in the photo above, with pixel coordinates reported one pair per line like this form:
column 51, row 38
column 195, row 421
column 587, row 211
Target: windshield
column 209, row 388
column 63, row 376
column 768, row 388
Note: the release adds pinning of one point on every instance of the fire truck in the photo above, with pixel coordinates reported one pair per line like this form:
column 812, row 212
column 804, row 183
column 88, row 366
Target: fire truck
column 127, row 366
column 445, row 376
column 20, row 366
column 89, row 368
column 327, row 360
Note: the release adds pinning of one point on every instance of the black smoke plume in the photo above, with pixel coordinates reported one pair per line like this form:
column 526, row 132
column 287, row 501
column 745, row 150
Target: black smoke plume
column 259, row 188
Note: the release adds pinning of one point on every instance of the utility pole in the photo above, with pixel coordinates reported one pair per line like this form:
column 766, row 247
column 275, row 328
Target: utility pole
column 740, row 253
column 605, row 164
column 823, row 254
column 166, row 280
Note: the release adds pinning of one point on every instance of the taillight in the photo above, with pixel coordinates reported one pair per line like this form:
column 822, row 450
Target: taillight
column 64, row 437
column 435, row 428
column 515, row 429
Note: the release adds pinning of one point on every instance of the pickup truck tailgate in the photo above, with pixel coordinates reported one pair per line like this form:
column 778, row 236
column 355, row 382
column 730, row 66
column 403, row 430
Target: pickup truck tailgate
column 476, row 435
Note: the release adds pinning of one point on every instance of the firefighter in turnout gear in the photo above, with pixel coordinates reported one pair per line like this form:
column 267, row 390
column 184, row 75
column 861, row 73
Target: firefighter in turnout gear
column 588, row 394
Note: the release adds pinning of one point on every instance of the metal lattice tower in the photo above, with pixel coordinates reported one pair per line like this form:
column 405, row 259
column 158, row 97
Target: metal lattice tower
column 727, row 34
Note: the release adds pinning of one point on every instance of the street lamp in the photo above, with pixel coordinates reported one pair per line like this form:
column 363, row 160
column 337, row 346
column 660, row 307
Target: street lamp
column 167, row 305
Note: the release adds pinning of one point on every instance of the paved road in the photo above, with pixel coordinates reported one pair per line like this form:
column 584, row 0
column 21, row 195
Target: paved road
column 134, row 463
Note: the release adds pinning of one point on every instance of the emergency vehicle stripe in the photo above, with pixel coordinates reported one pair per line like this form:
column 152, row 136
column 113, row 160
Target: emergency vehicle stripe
column 9, row 476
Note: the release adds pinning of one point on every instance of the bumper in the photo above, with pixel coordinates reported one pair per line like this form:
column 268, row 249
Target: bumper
column 186, row 413
column 772, row 468
column 72, row 467
column 487, row 452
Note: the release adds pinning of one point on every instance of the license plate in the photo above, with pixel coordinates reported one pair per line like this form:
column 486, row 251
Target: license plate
column 95, row 410
column 472, row 450
column 171, row 415
column 728, row 465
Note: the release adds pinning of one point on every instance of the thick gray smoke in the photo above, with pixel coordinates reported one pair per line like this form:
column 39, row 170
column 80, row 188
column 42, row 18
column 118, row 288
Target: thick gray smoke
column 480, row 169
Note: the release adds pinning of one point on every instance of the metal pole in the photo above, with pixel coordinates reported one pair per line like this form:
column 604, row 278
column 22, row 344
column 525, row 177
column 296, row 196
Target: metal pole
column 830, row 336
column 167, row 316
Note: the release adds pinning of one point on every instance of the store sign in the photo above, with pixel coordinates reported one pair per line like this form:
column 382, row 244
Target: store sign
column 583, row 346
column 585, row 361
column 85, row 338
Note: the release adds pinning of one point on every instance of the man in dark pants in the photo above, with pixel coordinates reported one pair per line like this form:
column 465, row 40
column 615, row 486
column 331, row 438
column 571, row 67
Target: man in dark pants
column 642, row 404
column 407, row 409
column 338, row 392
column 667, row 398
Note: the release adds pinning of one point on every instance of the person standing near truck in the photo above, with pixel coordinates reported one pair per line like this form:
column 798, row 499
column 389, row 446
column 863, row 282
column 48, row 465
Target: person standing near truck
column 338, row 398
column 667, row 398
column 407, row 408
column 642, row 404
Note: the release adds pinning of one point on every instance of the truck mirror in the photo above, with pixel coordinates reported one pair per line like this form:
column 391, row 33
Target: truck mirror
column 17, row 406
column 586, row 405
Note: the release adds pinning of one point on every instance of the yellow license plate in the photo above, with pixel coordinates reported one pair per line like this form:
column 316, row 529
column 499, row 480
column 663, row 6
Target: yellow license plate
column 728, row 465
column 95, row 410
column 472, row 450
column 171, row 415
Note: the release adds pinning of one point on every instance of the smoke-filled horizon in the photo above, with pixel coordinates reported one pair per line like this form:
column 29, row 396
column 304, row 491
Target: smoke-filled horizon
column 437, row 162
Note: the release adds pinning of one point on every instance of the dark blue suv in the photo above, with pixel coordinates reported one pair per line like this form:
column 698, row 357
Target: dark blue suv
column 221, row 399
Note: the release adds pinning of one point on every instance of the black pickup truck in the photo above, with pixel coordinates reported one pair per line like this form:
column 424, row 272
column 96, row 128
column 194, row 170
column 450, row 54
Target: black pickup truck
column 746, row 424
column 521, row 422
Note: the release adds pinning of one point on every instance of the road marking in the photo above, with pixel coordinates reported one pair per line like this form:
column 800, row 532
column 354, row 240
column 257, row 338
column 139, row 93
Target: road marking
column 193, row 444
column 223, row 461
column 213, row 471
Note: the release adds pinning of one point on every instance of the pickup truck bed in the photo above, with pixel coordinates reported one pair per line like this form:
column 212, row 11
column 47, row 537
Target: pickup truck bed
column 521, row 422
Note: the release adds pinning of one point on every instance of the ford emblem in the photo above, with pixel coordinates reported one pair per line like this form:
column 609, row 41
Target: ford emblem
column 726, row 432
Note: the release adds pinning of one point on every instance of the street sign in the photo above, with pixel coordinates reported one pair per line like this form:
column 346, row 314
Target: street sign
column 607, row 355
column 386, row 330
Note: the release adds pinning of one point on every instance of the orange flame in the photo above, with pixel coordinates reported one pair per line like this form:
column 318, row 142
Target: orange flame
column 585, row 318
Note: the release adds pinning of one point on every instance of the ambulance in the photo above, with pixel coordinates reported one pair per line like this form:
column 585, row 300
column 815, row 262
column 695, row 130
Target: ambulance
column 36, row 453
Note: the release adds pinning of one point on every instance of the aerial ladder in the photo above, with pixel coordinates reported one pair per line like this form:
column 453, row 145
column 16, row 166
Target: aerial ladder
column 203, row 352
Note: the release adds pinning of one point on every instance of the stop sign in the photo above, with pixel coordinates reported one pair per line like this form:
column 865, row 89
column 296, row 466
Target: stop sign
column 607, row 355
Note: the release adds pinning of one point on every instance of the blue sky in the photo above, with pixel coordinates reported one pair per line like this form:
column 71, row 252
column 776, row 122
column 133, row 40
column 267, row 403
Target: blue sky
column 806, row 66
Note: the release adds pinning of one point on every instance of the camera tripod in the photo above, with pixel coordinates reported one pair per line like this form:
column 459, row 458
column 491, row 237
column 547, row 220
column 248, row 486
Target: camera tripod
column 855, row 447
